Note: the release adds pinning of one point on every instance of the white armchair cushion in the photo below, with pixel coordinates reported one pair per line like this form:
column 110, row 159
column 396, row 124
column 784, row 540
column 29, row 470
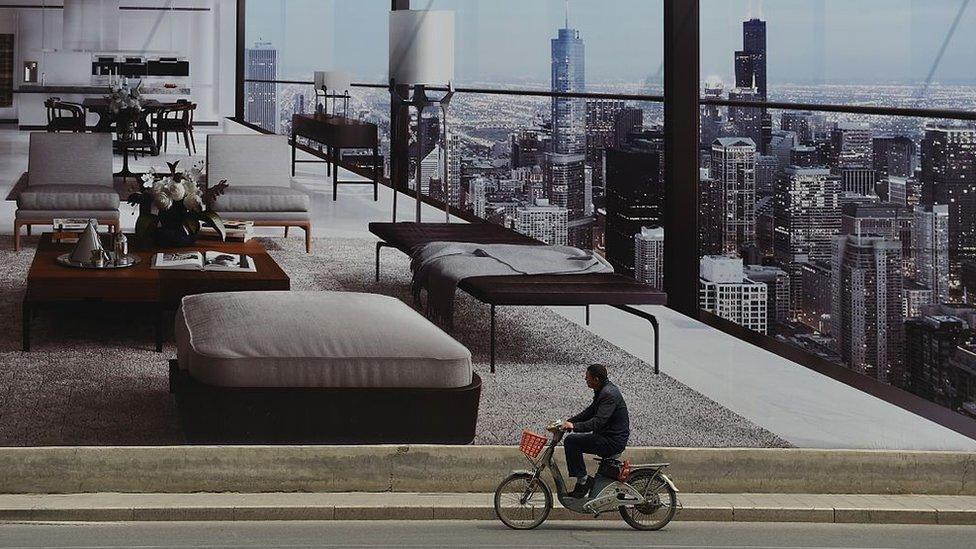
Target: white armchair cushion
column 68, row 197
column 262, row 199
column 70, row 159
column 249, row 160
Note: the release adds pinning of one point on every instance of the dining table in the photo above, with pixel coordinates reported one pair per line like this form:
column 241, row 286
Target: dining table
column 106, row 119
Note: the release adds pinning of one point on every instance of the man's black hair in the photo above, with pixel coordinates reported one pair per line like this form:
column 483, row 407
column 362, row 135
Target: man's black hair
column 598, row 371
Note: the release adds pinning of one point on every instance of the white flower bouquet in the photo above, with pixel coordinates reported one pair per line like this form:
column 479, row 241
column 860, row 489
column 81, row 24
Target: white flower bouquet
column 174, row 206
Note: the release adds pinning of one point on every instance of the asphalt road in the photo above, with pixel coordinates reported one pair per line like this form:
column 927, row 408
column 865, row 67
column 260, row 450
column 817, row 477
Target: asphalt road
column 679, row 535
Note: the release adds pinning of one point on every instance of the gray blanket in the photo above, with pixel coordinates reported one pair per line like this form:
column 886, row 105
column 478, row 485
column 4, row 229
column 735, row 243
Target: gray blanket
column 439, row 266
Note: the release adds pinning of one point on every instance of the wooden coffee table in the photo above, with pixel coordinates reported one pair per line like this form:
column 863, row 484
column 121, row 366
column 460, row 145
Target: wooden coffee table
column 159, row 291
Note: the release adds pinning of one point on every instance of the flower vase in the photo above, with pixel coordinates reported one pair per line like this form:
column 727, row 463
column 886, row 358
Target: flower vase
column 171, row 232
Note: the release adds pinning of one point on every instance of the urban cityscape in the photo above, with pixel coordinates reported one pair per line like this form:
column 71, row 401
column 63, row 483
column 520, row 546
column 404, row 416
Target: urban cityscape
column 850, row 236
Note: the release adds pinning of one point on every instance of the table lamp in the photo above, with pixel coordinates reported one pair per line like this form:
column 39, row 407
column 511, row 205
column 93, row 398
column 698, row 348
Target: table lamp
column 333, row 85
column 422, row 55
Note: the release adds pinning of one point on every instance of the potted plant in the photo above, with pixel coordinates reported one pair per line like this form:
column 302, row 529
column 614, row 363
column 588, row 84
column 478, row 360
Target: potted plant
column 125, row 103
column 173, row 207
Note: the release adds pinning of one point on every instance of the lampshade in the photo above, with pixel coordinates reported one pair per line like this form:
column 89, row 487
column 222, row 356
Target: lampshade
column 422, row 46
column 339, row 81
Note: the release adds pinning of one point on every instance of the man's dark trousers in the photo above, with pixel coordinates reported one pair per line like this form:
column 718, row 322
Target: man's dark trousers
column 577, row 444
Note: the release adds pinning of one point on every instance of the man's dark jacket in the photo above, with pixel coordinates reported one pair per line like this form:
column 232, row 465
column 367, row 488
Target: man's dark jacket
column 607, row 416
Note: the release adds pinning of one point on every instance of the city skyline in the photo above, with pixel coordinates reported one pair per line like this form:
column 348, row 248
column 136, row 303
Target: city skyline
column 818, row 41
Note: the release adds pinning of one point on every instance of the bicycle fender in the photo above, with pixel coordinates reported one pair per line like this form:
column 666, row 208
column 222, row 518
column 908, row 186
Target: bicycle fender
column 670, row 482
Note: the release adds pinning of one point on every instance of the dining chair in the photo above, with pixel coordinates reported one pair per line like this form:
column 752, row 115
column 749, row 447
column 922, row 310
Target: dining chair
column 177, row 119
column 64, row 116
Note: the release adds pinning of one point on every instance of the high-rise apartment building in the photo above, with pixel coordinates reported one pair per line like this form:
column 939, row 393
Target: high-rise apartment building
column 894, row 155
column 914, row 298
column 851, row 145
column 747, row 122
column 635, row 198
column 734, row 170
column 930, row 248
column 601, row 134
column 871, row 218
column 867, row 305
column 261, row 98
column 543, row 221
column 778, row 291
column 725, row 292
column 649, row 256
column 949, row 177
column 930, row 344
column 808, row 126
column 712, row 118
column 528, row 149
column 806, row 213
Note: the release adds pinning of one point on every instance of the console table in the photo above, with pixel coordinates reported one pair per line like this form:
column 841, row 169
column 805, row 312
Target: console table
column 335, row 133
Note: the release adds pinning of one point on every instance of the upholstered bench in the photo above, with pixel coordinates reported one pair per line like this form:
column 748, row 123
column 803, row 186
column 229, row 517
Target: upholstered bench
column 318, row 367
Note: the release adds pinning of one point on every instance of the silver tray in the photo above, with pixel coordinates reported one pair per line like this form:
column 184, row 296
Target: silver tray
column 127, row 261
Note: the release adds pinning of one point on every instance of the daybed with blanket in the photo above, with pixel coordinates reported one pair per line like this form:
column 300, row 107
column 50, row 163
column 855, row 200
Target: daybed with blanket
column 318, row 367
column 590, row 288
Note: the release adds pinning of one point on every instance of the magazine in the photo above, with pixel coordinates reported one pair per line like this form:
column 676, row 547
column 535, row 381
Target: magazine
column 204, row 261
column 237, row 231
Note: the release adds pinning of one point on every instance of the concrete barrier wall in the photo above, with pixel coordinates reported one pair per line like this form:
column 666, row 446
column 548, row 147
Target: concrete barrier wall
column 463, row 469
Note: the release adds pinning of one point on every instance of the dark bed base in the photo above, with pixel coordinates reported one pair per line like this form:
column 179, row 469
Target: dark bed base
column 233, row 415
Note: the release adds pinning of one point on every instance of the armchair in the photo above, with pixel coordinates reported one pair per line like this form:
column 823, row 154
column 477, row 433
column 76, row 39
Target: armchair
column 68, row 175
column 257, row 169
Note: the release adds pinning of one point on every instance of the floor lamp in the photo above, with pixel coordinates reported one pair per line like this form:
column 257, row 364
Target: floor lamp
column 422, row 55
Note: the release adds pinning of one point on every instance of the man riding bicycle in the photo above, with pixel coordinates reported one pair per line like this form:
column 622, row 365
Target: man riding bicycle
column 605, row 422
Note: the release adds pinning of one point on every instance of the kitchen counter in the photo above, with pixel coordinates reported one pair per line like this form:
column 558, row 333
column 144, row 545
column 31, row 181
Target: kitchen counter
column 85, row 89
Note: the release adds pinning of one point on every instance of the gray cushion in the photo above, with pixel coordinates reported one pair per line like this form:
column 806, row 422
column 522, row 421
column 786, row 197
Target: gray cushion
column 249, row 160
column 41, row 216
column 268, row 218
column 70, row 159
column 315, row 339
column 68, row 197
column 262, row 199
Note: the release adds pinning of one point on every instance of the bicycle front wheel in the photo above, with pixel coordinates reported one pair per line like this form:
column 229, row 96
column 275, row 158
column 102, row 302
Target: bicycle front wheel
column 522, row 501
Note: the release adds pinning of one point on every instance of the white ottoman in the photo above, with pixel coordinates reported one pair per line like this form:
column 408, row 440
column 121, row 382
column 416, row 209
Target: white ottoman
column 323, row 367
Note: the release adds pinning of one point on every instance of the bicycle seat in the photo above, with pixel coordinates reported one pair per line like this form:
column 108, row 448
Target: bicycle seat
column 614, row 457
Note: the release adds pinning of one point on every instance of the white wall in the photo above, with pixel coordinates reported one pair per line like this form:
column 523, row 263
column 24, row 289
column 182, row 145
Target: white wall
column 206, row 38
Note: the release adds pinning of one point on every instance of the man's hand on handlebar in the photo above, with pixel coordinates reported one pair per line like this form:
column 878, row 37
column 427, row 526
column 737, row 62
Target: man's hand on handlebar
column 567, row 426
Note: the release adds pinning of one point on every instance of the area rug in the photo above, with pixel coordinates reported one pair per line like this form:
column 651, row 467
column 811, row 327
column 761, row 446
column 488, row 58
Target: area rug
column 92, row 377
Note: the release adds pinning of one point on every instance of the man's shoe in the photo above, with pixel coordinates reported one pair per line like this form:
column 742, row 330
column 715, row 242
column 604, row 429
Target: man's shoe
column 582, row 489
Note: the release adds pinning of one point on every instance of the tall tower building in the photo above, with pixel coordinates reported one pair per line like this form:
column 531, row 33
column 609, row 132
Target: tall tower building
column 712, row 118
column 734, row 170
column 750, row 62
column 568, row 75
column 649, row 256
column 867, row 305
column 601, row 126
column 851, row 145
column 261, row 98
column 807, row 217
column 635, row 198
column 949, row 177
column 808, row 126
column 930, row 249
column 894, row 156
column 747, row 122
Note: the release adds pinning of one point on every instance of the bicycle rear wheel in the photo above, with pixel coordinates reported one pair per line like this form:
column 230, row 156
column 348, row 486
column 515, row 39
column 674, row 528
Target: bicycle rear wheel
column 522, row 502
column 662, row 501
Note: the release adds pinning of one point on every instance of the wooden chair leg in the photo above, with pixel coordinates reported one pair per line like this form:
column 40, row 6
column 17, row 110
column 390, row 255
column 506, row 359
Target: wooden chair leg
column 286, row 231
column 28, row 229
column 308, row 238
column 16, row 236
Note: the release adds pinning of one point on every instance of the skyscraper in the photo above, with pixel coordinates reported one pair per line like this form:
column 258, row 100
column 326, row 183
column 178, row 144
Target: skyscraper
column 734, row 171
column 601, row 126
column 568, row 75
column 261, row 98
column 930, row 344
column 750, row 62
column 778, row 292
column 649, row 256
column 866, row 310
column 851, row 145
column 949, row 177
column 750, row 73
column 930, row 248
column 806, row 212
column 635, row 198
column 894, row 156
column 747, row 122
column 712, row 118
column 807, row 125
column 528, row 149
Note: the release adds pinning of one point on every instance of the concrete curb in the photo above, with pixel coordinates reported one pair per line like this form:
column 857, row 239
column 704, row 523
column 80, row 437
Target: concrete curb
column 427, row 468
column 300, row 507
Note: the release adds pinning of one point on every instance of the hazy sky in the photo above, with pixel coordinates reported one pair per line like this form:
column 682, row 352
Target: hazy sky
column 508, row 40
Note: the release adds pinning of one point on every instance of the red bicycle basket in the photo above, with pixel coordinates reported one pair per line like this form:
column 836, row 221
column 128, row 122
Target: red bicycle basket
column 624, row 472
column 532, row 443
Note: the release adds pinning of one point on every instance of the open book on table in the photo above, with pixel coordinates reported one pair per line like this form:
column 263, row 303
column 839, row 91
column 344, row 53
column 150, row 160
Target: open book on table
column 204, row 261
